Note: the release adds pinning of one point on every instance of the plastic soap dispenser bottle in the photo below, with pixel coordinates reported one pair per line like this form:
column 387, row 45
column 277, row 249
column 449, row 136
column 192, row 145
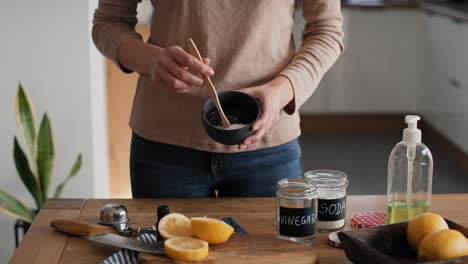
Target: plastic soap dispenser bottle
column 409, row 176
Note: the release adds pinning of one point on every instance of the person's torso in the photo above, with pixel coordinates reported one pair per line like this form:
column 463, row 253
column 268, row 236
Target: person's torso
column 248, row 42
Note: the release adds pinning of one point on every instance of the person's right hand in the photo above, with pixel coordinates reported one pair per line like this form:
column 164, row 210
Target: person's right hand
column 173, row 68
column 169, row 68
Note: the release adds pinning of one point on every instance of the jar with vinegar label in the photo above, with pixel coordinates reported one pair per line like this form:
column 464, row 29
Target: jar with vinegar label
column 296, row 210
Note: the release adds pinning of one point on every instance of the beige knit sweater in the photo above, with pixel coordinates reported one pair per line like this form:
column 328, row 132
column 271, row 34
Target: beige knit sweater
column 249, row 43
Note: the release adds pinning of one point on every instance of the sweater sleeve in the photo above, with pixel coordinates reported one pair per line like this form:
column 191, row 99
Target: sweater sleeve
column 322, row 44
column 114, row 23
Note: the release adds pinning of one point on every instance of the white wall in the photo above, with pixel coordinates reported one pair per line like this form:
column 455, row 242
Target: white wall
column 46, row 45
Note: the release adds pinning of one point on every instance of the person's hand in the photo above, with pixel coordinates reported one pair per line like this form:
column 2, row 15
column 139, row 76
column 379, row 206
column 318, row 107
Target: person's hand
column 173, row 68
column 273, row 96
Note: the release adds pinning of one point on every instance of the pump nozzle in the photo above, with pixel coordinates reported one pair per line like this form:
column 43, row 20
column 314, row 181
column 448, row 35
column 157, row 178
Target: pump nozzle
column 411, row 134
column 412, row 121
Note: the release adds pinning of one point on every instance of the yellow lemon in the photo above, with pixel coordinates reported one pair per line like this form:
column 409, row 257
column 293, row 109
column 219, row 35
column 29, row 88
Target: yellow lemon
column 421, row 226
column 443, row 244
column 211, row 230
column 186, row 248
column 174, row 225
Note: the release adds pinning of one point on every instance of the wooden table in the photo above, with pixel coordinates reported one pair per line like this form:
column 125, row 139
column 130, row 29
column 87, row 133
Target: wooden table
column 43, row 245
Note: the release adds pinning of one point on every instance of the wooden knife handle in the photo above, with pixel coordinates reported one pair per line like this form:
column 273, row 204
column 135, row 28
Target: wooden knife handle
column 78, row 228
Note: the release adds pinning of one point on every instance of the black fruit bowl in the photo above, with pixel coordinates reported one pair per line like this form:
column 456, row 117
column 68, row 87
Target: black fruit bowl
column 387, row 244
column 240, row 108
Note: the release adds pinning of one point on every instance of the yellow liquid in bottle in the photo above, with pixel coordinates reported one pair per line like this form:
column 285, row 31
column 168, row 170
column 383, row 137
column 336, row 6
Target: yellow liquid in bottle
column 398, row 211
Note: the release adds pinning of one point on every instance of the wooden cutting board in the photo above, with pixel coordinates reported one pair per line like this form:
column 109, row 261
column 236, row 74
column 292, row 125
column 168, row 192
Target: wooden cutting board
column 249, row 249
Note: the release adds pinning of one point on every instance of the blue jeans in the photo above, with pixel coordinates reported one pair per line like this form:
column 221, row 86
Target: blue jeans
column 161, row 171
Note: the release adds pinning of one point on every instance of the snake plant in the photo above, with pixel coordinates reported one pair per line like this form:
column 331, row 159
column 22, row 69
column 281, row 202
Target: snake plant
column 34, row 163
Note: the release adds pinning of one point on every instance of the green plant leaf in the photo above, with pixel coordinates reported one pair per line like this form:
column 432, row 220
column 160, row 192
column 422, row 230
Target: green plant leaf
column 45, row 154
column 74, row 170
column 14, row 207
column 25, row 119
column 25, row 173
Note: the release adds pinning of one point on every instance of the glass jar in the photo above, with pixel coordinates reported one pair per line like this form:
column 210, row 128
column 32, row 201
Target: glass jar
column 296, row 210
column 331, row 191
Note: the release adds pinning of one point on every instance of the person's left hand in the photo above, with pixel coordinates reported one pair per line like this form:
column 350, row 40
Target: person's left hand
column 273, row 96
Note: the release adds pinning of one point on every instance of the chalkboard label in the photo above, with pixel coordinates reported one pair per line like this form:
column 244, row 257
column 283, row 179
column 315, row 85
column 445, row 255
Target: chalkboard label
column 331, row 209
column 297, row 222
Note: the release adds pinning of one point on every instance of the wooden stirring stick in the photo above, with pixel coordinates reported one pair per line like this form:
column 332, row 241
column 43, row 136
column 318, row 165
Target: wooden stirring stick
column 212, row 90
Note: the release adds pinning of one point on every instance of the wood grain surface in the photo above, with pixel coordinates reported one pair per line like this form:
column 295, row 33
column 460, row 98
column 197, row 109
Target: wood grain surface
column 249, row 249
column 41, row 245
column 44, row 245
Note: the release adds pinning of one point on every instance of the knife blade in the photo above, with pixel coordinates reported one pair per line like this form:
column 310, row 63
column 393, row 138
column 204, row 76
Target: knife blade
column 129, row 243
column 101, row 234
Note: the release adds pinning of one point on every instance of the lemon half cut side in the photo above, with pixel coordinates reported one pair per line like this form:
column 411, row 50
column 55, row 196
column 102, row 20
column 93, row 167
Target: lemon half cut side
column 174, row 225
column 186, row 248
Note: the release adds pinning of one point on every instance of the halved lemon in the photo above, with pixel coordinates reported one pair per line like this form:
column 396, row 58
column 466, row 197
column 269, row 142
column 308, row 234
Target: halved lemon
column 211, row 230
column 174, row 225
column 186, row 248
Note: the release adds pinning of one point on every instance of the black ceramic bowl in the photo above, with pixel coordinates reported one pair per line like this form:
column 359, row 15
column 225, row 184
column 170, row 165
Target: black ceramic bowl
column 240, row 108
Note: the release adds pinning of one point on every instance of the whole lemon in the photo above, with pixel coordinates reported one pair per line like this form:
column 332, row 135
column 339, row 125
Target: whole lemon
column 421, row 226
column 443, row 244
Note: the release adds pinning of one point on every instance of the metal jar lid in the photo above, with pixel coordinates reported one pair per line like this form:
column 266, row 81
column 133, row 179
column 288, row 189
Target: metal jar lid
column 368, row 219
column 111, row 214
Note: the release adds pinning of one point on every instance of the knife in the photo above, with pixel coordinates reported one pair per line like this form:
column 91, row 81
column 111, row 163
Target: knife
column 101, row 234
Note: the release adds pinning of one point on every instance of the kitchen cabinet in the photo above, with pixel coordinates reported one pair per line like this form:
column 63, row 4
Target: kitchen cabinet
column 446, row 106
column 402, row 61
column 462, row 30
column 382, row 67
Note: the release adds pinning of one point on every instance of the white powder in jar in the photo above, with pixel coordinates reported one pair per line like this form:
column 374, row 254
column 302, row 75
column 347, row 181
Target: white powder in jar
column 330, row 225
column 332, row 207
column 331, row 192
